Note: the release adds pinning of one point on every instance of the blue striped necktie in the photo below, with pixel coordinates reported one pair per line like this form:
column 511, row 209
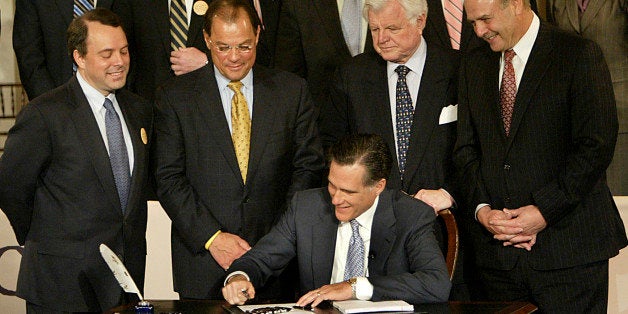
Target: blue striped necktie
column 118, row 155
column 82, row 6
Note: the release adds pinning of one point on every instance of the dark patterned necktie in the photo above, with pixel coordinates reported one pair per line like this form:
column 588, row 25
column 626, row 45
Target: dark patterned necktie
column 508, row 90
column 178, row 24
column 118, row 155
column 355, row 255
column 405, row 114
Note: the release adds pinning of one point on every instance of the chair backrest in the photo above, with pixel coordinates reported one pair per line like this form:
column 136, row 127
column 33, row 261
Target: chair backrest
column 451, row 254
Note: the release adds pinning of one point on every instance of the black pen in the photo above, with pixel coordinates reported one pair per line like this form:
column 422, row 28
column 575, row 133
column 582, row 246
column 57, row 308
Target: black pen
column 245, row 293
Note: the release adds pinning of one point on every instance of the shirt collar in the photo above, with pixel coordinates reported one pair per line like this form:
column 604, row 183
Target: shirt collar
column 222, row 81
column 523, row 48
column 94, row 97
column 415, row 63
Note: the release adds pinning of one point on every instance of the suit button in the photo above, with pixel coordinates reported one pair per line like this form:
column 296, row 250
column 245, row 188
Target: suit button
column 506, row 167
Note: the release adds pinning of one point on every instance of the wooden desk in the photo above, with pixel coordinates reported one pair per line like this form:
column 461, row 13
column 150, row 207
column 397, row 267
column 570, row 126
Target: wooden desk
column 215, row 307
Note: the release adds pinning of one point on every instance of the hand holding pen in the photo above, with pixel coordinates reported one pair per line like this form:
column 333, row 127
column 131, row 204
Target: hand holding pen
column 238, row 290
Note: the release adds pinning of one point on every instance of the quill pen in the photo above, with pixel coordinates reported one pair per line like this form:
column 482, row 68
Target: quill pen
column 119, row 271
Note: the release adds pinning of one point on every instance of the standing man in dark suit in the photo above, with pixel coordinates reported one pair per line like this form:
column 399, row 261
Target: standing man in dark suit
column 356, row 240
column 39, row 38
column 156, row 57
column 233, row 142
column 533, row 151
column 364, row 100
column 606, row 23
column 438, row 32
column 72, row 177
column 312, row 44
column 155, row 60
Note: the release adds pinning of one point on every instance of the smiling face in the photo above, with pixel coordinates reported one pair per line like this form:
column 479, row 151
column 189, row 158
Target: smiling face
column 349, row 195
column 105, row 65
column 395, row 37
column 499, row 24
column 233, row 63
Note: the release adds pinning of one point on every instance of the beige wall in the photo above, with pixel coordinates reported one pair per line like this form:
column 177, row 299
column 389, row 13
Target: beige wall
column 8, row 66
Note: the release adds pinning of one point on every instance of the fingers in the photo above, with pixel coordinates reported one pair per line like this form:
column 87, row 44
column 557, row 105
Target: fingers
column 238, row 292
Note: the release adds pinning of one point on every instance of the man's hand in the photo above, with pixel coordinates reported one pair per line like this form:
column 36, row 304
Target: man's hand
column 336, row 292
column 492, row 220
column 238, row 290
column 187, row 60
column 530, row 220
column 227, row 247
column 438, row 199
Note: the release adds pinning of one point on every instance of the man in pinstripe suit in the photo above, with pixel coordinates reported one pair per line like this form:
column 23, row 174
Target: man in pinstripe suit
column 546, row 218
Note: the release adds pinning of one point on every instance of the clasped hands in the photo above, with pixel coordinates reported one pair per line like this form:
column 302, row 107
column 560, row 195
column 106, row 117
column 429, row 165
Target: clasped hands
column 517, row 227
column 227, row 247
column 186, row 60
column 238, row 290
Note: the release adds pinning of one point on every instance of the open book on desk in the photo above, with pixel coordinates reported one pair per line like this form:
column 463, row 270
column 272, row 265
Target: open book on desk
column 359, row 306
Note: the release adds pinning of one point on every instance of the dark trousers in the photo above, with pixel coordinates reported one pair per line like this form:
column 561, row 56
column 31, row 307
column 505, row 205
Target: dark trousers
column 580, row 289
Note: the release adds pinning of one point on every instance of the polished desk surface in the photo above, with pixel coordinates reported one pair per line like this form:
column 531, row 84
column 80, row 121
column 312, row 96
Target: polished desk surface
column 216, row 307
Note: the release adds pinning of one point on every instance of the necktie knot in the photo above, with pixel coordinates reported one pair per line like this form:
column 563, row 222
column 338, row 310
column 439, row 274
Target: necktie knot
column 235, row 86
column 402, row 71
column 509, row 55
column 108, row 104
column 355, row 226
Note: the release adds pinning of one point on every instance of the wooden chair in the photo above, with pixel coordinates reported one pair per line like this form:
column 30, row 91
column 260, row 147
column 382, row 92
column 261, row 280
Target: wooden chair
column 451, row 253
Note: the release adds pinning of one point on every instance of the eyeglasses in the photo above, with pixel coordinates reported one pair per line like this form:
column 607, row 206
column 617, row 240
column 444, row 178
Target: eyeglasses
column 242, row 48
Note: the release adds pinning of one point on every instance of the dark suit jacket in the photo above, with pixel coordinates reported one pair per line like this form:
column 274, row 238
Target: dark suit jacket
column 198, row 179
column 40, row 43
column 435, row 31
column 561, row 140
column 360, row 104
column 405, row 261
column 268, row 34
column 58, row 191
column 310, row 43
column 147, row 24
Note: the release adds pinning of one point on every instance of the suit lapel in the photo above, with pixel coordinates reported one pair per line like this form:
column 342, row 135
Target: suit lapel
column 263, row 112
column 161, row 16
column 539, row 61
column 489, row 65
column 589, row 15
column 382, row 235
column 436, row 18
column 133, row 124
column 196, row 28
column 66, row 10
column 381, row 119
column 208, row 103
column 324, row 234
column 572, row 13
column 428, row 107
column 328, row 12
column 91, row 139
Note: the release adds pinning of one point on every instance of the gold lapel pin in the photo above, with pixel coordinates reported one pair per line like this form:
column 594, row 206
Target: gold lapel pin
column 200, row 7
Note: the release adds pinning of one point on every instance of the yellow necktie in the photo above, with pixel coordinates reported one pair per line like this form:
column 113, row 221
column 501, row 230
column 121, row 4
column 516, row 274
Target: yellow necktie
column 241, row 125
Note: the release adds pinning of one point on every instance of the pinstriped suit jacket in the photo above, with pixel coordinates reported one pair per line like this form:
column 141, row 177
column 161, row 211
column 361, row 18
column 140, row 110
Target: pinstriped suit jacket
column 561, row 141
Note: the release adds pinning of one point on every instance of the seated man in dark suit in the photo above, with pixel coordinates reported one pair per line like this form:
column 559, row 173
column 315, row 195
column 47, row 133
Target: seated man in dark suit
column 350, row 243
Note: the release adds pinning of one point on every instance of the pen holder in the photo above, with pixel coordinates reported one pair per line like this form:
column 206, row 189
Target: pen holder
column 143, row 307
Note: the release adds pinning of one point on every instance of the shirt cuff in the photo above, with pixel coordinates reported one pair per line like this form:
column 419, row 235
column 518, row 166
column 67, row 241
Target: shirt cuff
column 211, row 240
column 363, row 289
column 238, row 272
column 477, row 209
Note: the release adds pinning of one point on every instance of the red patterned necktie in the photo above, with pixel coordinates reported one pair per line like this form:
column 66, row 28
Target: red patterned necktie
column 508, row 90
